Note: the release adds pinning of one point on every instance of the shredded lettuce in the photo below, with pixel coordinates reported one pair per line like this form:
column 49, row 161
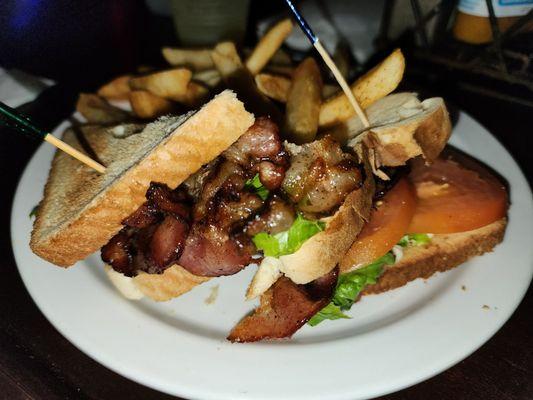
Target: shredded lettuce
column 33, row 211
column 256, row 186
column 289, row 241
column 352, row 283
column 414, row 239
column 331, row 311
column 349, row 286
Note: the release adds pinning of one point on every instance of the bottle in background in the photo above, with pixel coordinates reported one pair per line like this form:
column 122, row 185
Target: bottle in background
column 472, row 24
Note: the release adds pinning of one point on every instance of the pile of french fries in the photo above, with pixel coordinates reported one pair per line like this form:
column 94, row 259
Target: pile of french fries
column 267, row 81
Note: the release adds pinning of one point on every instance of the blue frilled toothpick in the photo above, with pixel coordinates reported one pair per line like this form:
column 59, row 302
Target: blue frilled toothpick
column 329, row 62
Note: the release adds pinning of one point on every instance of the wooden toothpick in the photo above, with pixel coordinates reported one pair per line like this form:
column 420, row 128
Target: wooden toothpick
column 11, row 118
column 329, row 62
column 74, row 153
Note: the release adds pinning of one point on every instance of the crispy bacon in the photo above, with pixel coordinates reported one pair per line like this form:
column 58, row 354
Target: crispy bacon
column 167, row 242
column 278, row 217
column 144, row 216
column 233, row 213
column 209, row 251
column 162, row 198
column 261, row 141
column 213, row 184
column 155, row 233
column 260, row 150
column 285, row 308
column 117, row 252
column 320, row 176
column 270, row 174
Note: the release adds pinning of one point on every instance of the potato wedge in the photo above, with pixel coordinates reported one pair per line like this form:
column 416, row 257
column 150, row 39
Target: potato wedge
column 277, row 87
column 274, row 86
column 170, row 84
column 145, row 69
column 330, row 90
column 226, row 59
column 196, row 94
column 116, row 89
column 280, row 57
column 303, row 103
column 149, row 106
column 286, row 70
column 97, row 110
column 372, row 86
column 209, row 77
column 196, row 59
column 268, row 45
column 239, row 79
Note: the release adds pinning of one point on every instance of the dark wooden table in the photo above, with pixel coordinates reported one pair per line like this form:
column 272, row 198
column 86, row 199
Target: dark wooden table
column 36, row 362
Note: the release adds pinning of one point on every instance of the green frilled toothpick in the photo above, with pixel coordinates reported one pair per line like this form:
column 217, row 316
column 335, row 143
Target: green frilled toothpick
column 12, row 119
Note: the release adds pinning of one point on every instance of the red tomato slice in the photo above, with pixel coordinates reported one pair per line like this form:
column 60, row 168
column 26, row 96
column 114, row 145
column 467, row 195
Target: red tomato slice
column 455, row 197
column 387, row 224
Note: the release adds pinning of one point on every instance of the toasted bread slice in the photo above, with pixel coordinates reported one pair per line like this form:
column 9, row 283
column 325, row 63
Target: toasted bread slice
column 81, row 210
column 175, row 281
column 401, row 127
column 446, row 251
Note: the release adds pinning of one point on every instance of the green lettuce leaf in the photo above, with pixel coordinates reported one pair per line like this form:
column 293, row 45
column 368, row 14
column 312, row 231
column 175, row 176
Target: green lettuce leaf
column 33, row 211
column 331, row 311
column 289, row 241
column 256, row 186
column 414, row 239
column 349, row 286
column 352, row 283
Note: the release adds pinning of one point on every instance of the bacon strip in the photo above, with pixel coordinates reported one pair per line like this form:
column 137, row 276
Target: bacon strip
column 284, row 308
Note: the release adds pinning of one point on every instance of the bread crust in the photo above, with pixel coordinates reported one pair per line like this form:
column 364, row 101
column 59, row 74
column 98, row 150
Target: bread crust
column 198, row 140
column 174, row 282
column 424, row 134
column 446, row 251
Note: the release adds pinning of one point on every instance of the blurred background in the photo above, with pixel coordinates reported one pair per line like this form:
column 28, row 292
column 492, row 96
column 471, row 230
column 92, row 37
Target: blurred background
column 476, row 54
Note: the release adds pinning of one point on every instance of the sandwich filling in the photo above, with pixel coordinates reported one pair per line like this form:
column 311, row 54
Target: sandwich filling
column 258, row 194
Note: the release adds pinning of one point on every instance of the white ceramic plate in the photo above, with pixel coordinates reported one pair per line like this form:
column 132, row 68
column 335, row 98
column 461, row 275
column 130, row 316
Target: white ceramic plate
column 394, row 340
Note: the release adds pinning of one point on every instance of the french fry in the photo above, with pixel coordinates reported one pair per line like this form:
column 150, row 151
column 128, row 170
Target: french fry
column 209, row 77
column 226, row 59
column 303, row 102
column 116, row 89
column 195, row 95
column 268, row 45
column 286, row 70
column 329, row 90
column 277, row 87
column 145, row 69
column 239, row 79
column 149, row 106
column 281, row 57
column 372, row 86
column 274, row 86
column 341, row 58
column 170, row 84
column 97, row 110
column 196, row 59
